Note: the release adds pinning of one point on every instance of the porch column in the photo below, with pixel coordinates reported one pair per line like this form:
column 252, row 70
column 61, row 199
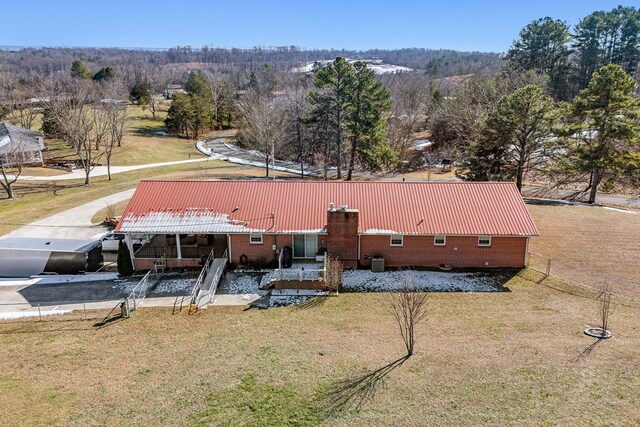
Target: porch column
column 178, row 248
column 129, row 243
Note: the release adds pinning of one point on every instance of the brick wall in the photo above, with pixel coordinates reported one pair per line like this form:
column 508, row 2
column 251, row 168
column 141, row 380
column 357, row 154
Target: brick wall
column 240, row 245
column 461, row 252
column 342, row 236
column 146, row 264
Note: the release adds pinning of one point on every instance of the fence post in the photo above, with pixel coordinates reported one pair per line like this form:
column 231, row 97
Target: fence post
column 39, row 313
column 84, row 306
column 548, row 266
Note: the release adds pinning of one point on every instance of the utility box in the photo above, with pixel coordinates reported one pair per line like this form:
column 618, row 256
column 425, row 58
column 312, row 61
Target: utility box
column 377, row 264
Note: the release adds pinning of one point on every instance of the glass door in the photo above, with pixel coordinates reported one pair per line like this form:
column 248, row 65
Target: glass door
column 310, row 245
column 298, row 245
column 305, row 245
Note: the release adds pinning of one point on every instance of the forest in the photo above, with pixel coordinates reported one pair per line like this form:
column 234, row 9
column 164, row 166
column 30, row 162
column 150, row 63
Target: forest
column 561, row 107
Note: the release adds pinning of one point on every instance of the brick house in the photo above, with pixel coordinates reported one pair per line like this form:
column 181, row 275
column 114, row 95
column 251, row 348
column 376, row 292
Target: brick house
column 410, row 224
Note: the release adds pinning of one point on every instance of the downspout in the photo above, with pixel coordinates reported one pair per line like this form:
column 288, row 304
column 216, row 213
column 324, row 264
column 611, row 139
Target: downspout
column 526, row 251
column 229, row 247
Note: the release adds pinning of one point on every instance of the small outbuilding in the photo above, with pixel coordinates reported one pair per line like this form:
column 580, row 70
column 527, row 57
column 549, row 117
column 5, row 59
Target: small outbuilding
column 28, row 256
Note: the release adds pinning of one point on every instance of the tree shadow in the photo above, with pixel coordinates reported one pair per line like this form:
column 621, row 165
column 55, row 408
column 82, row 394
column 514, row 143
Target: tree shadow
column 352, row 393
column 312, row 302
column 587, row 351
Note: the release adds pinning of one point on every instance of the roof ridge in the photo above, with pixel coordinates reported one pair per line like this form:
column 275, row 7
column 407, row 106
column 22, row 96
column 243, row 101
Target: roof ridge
column 312, row 181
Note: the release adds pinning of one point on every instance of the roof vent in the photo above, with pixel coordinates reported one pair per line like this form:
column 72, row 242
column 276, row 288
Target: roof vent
column 344, row 207
column 332, row 207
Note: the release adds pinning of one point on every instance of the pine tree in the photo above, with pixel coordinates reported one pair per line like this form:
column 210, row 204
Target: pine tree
column 367, row 102
column 543, row 47
column 79, row 70
column 332, row 84
column 512, row 135
column 603, row 125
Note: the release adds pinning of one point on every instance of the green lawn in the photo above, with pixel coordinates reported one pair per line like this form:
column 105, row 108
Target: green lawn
column 506, row 358
column 39, row 199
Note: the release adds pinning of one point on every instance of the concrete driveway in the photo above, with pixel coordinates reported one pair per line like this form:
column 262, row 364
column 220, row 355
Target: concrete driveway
column 74, row 223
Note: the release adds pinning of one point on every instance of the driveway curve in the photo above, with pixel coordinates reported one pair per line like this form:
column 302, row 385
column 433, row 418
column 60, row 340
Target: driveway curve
column 73, row 223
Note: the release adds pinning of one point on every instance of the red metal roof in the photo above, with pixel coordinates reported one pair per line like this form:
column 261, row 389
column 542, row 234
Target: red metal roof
column 452, row 208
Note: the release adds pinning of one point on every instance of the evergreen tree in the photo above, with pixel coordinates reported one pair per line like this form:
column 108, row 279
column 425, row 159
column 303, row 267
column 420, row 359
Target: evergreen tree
column 79, row 70
column 543, row 47
column 140, row 94
column 200, row 100
column 181, row 115
column 105, row 73
column 603, row 125
column 603, row 38
column 125, row 267
column 512, row 135
column 367, row 102
column 332, row 83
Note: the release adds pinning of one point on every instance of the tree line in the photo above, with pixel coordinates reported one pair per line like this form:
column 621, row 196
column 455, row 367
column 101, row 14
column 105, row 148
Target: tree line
column 569, row 58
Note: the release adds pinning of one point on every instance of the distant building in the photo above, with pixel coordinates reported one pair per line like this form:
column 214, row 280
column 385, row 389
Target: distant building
column 20, row 145
column 170, row 90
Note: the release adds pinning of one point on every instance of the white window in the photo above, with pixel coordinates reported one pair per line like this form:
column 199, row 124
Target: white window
column 484, row 240
column 396, row 240
column 255, row 239
column 440, row 240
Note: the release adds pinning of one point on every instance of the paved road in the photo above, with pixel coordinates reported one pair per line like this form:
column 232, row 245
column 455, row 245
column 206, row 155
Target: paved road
column 603, row 199
column 220, row 148
column 74, row 223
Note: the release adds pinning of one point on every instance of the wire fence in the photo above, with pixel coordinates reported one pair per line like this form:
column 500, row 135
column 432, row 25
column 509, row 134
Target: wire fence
column 623, row 286
column 54, row 310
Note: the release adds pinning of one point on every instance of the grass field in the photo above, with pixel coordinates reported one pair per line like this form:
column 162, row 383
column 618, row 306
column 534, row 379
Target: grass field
column 482, row 359
column 37, row 200
column 140, row 145
column 590, row 245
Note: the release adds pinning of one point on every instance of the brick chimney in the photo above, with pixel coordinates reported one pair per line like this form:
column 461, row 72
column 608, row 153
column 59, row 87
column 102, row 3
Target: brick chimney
column 342, row 235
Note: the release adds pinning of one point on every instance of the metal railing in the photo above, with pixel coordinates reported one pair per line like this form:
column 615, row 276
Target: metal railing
column 211, row 292
column 172, row 252
column 143, row 288
column 195, row 292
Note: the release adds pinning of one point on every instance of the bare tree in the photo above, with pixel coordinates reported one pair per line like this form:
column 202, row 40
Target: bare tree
column 11, row 163
column 601, row 331
column 221, row 98
column 333, row 273
column 26, row 113
column 80, row 124
column 412, row 102
column 297, row 110
column 262, row 124
column 604, row 307
column 408, row 308
column 112, row 118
